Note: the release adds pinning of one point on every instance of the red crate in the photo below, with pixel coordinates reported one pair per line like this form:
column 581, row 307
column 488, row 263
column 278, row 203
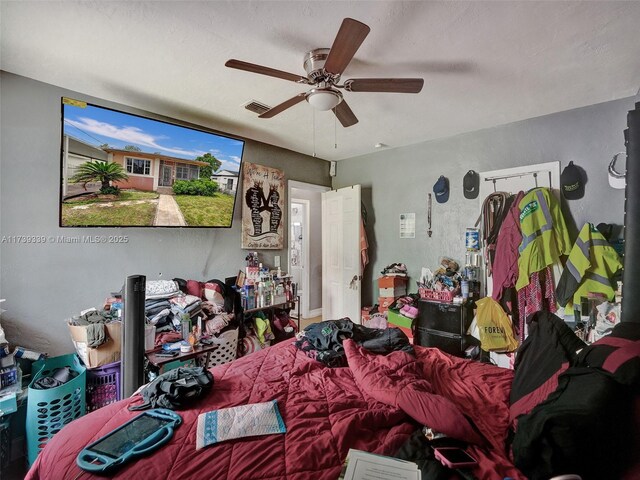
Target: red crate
column 438, row 296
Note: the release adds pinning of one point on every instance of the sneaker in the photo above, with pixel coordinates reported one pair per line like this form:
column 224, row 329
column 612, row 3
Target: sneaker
column 409, row 311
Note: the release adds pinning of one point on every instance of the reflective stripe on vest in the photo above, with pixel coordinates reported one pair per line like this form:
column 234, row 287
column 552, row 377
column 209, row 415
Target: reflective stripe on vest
column 546, row 227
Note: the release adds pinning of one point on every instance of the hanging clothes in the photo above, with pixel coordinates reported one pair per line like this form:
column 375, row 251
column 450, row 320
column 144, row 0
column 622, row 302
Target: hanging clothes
column 539, row 295
column 544, row 234
column 505, row 262
column 592, row 264
column 494, row 209
column 364, row 246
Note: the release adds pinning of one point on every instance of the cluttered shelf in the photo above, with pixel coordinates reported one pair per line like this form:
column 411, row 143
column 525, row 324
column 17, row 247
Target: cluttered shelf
column 160, row 357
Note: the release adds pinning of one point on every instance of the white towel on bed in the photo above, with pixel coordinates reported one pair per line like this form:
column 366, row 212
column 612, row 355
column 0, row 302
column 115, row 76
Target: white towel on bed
column 238, row 422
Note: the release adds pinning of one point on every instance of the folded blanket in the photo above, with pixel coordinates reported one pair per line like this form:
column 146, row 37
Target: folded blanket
column 160, row 315
column 184, row 301
column 239, row 422
column 161, row 289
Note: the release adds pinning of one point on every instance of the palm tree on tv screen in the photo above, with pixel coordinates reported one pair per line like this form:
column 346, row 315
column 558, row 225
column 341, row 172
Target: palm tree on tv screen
column 103, row 172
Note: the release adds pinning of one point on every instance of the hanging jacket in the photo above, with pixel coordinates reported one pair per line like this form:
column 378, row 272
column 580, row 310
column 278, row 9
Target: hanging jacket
column 505, row 262
column 587, row 425
column 544, row 234
column 591, row 265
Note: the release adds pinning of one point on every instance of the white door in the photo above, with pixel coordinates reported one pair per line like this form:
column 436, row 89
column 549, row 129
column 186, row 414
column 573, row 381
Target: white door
column 341, row 271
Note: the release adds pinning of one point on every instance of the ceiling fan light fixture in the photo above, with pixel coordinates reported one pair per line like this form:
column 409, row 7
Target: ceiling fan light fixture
column 324, row 98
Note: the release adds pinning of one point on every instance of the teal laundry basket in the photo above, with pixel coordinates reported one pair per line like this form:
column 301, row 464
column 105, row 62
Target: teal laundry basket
column 51, row 409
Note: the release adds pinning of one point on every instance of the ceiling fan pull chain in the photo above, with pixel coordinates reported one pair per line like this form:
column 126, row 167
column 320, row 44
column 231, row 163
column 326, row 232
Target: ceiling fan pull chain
column 335, row 130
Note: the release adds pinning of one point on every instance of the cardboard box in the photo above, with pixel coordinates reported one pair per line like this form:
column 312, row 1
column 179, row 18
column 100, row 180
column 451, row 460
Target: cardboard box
column 392, row 282
column 384, row 302
column 106, row 353
column 396, row 319
column 393, row 292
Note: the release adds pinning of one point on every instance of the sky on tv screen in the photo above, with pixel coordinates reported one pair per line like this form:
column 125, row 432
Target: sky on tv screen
column 97, row 126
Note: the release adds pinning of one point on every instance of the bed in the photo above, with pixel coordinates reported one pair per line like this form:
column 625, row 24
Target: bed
column 374, row 404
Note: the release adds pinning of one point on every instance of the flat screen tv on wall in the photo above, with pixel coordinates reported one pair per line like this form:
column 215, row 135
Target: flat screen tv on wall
column 124, row 170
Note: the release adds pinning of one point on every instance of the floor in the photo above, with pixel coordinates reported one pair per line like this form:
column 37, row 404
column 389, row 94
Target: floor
column 305, row 322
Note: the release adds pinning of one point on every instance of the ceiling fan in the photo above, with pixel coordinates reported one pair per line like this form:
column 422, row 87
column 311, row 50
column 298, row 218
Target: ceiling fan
column 324, row 66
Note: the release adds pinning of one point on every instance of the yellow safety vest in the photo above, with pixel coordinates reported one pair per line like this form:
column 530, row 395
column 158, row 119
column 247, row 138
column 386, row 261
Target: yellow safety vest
column 592, row 263
column 544, row 234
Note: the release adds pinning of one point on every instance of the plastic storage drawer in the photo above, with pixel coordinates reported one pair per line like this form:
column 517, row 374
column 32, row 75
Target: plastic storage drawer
column 444, row 317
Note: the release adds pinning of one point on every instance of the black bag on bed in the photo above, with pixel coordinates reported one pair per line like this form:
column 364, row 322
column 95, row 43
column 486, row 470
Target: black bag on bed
column 172, row 389
column 587, row 425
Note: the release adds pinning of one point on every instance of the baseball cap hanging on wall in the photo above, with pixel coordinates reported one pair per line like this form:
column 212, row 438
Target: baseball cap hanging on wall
column 441, row 189
column 616, row 178
column 471, row 184
column 572, row 182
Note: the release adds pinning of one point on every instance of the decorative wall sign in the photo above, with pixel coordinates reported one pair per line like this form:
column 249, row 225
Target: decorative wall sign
column 262, row 207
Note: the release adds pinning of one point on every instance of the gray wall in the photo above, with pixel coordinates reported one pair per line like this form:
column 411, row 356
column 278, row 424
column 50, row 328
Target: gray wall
column 46, row 283
column 315, row 244
column 396, row 181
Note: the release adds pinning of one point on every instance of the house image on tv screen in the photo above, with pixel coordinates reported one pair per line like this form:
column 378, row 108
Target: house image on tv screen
column 152, row 171
column 75, row 152
column 227, row 181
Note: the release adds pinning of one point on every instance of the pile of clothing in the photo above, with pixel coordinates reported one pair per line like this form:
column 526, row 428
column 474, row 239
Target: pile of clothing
column 168, row 302
column 323, row 341
column 94, row 320
column 395, row 269
column 59, row 376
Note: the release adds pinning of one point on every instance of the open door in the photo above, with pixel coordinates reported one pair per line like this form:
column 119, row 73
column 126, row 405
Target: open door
column 341, row 271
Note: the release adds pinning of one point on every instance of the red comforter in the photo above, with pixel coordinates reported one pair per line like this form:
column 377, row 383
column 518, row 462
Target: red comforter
column 372, row 405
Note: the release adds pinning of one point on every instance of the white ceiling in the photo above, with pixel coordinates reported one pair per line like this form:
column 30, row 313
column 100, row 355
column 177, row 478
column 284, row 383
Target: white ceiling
column 484, row 63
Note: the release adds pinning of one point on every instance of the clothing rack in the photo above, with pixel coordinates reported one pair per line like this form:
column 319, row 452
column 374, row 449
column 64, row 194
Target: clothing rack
column 518, row 175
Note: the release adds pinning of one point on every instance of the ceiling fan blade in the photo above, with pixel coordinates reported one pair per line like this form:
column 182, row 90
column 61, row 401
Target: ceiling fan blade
column 272, row 112
column 271, row 72
column 391, row 85
column 349, row 38
column 344, row 114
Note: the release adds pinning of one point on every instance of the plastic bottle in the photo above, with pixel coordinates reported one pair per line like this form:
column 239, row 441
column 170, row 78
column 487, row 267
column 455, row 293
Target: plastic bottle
column 193, row 336
column 260, row 297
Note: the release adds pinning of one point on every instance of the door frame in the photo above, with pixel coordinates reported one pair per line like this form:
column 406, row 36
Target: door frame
column 161, row 181
column 304, row 310
column 304, row 273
